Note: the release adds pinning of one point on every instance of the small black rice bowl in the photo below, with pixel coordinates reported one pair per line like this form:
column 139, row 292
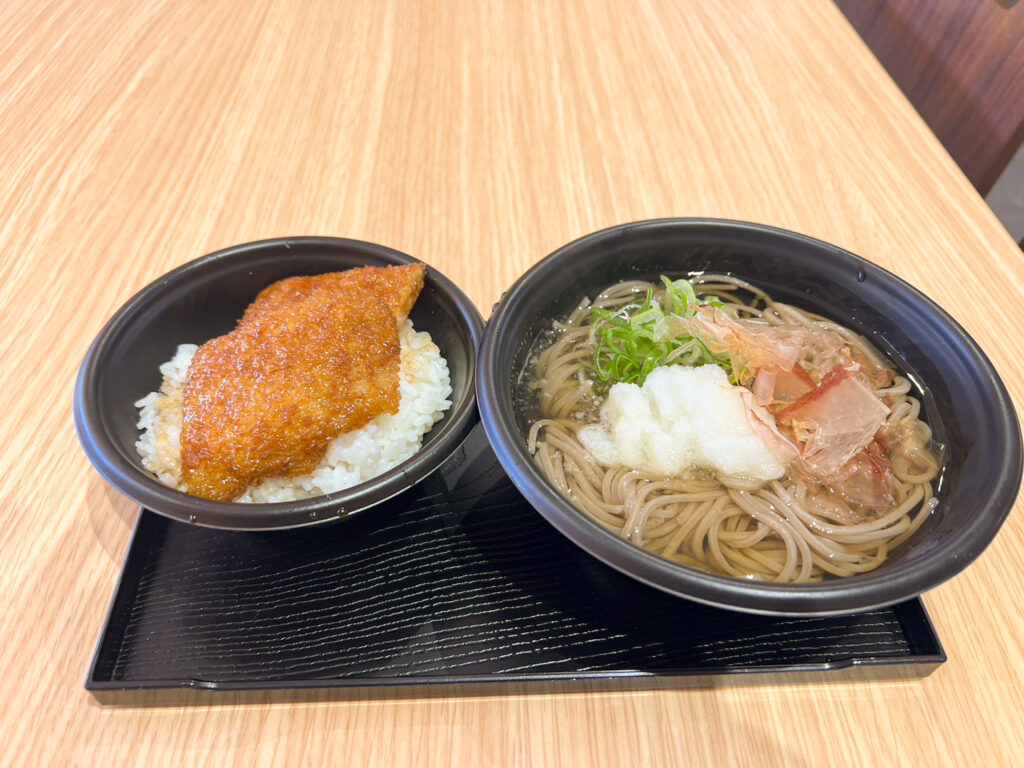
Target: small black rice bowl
column 965, row 403
column 205, row 298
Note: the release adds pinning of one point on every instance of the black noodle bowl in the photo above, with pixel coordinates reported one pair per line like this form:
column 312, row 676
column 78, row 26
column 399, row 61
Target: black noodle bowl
column 964, row 401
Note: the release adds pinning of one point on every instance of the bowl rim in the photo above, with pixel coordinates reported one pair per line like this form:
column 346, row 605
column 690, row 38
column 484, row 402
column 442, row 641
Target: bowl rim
column 144, row 489
column 851, row 594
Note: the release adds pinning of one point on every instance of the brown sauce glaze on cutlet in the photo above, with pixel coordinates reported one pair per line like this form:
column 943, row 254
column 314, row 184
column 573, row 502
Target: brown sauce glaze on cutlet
column 311, row 358
column 397, row 287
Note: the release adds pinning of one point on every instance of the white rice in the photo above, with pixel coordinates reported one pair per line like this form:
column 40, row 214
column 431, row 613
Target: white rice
column 351, row 458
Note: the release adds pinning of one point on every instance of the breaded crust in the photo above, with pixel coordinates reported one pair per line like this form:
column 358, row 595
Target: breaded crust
column 397, row 287
column 311, row 358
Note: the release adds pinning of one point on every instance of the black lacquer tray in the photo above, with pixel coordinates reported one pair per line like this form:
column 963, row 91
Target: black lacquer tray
column 456, row 581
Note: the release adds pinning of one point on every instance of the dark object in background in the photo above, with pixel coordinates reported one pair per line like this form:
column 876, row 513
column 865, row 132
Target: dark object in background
column 961, row 64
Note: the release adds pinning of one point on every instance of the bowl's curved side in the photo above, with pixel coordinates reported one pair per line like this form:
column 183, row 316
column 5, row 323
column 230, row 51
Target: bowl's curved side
column 967, row 403
column 203, row 299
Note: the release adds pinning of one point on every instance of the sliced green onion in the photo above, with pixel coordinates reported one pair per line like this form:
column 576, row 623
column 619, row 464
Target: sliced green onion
column 630, row 342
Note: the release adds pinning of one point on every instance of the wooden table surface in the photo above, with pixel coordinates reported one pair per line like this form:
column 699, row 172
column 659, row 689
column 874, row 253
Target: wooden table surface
column 478, row 136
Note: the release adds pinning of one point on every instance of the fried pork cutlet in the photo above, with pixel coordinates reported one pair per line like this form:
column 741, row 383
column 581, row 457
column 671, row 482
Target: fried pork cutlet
column 311, row 358
column 396, row 287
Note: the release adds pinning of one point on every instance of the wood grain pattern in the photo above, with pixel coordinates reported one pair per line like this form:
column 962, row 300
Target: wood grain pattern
column 478, row 136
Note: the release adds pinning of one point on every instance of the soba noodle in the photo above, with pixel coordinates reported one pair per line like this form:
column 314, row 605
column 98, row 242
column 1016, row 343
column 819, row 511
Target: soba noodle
column 787, row 530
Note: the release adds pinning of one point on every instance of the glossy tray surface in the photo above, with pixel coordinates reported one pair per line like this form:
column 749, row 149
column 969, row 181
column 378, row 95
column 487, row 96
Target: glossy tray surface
column 458, row 580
